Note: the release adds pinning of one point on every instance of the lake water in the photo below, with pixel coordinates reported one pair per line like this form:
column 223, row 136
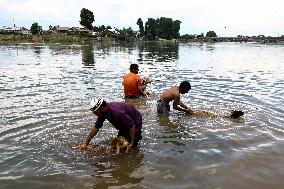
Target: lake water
column 45, row 92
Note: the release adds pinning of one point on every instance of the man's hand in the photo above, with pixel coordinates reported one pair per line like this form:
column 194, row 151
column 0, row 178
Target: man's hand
column 83, row 147
column 86, row 147
column 189, row 111
column 129, row 147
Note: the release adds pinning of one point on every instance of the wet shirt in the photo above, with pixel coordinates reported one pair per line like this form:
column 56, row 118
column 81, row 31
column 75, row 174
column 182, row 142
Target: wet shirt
column 130, row 83
column 122, row 116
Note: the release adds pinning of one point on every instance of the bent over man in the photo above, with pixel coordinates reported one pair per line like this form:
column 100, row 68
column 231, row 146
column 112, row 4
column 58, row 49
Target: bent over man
column 173, row 94
column 123, row 116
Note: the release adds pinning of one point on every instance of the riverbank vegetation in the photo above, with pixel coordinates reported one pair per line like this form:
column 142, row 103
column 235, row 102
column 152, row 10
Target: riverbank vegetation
column 58, row 38
column 161, row 29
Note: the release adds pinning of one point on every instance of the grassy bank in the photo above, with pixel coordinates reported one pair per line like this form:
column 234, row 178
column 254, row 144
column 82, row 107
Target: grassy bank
column 14, row 39
column 64, row 38
column 59, row 38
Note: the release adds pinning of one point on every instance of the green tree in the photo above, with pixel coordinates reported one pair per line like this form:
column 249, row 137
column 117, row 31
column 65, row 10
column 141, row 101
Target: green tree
column 99, row 28
column 102, row 28
column 130, row 32
column 35, row 28
column 200, row 36
column 165, row 28
column 141, row 27
column 176, row 29
column 87, row 18
column 211, row 34
column 126, row 34
column 187, row 37
column 151, row 29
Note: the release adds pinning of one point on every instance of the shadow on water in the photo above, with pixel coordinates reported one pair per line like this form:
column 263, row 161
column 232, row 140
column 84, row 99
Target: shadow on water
column 105, row 171
column 120, row 169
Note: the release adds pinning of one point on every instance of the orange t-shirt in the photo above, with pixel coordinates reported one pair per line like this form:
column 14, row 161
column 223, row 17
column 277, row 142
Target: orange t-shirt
column 130, row 83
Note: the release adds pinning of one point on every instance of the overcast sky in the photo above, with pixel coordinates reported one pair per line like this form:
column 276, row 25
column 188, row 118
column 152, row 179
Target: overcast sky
column 225, row 17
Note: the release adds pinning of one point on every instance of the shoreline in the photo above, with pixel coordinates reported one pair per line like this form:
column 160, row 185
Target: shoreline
column 60, row 38
column 80, row 39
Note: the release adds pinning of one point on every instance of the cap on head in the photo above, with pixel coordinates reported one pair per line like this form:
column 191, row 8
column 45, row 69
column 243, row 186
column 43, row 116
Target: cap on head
column 95, row 104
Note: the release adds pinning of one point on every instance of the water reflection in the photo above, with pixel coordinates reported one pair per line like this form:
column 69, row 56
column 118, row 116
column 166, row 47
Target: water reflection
column 175, row 129
column 158, row 52
column 88, row 58
column 120, row 169
column 206, row 47
column 165, row 121
column 37, row 50
column 59, row 49
column 138, row 103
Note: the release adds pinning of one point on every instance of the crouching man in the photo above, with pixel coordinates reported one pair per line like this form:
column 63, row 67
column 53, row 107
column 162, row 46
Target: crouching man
column 123, row 116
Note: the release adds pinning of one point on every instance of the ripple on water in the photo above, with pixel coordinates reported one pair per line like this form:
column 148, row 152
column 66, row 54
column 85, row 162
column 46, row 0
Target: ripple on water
column 45, row 113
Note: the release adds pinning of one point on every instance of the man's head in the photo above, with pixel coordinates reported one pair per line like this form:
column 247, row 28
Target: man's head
column 134, row 68
column 98, row 106
column 184, row 87
column 236, row 114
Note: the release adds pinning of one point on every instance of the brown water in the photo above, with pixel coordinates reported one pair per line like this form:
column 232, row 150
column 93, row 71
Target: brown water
column 45, row 92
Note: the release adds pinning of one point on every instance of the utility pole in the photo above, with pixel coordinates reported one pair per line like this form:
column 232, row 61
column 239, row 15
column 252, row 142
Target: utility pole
column 14, row 23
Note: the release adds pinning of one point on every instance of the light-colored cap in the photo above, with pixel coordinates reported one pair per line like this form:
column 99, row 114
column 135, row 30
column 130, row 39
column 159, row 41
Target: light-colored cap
column 95, row 104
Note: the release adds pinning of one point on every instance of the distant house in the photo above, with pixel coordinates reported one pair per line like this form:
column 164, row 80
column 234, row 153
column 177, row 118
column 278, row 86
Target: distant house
column 59, row 29
column 109, row 33
column 95, row 33
column 25, row 31
column 10, row 29
column 80, row 30
column 15, row 30
column 68, row 30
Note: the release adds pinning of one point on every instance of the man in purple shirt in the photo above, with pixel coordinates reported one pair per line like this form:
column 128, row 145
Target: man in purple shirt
column 123, row 116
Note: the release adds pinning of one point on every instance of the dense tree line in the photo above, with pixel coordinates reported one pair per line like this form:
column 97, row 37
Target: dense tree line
column 160, row 28
column 164, row 28
column 101, row 28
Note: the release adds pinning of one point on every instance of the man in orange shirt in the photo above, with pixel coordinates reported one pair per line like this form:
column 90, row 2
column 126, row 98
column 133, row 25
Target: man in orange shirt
column 132, row 83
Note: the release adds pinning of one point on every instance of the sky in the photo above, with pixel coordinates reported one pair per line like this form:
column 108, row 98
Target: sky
column 227, row 18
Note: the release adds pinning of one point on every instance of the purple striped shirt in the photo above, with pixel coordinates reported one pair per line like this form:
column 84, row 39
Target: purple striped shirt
column 122, row 116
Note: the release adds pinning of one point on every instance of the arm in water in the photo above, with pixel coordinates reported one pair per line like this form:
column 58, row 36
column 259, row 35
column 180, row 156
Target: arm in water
column 178, row 105
column 91, row 135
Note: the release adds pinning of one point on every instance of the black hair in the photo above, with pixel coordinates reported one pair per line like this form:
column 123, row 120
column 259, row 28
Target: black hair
column 236, row 114
column 185, row 85
column 133, row 67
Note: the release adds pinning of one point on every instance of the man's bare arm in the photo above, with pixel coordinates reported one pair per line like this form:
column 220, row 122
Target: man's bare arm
column 178, row 105
column 182, row 105
column 140, row 86
column 91, row 135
